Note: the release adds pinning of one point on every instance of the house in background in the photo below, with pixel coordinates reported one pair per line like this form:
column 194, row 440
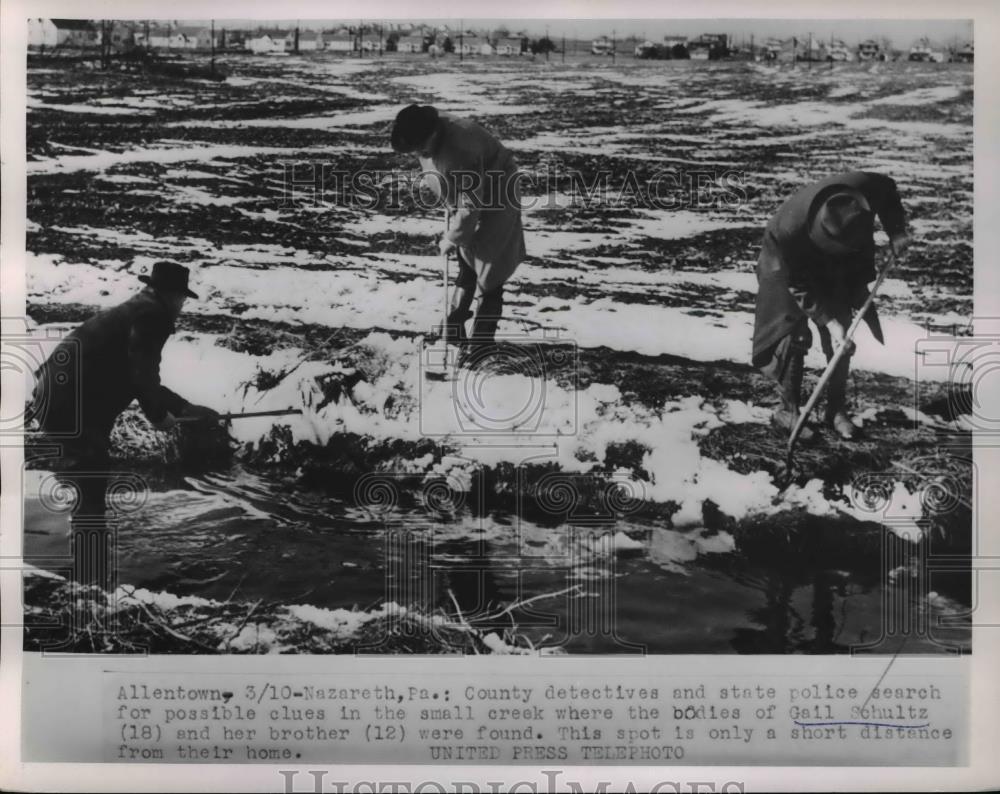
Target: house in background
column 709, row 46
column 510, row 46
column 870, row 51
column 309, row 41
column 194, row 38
column 837, row 50
column 645, row 49
column 602, row 46
column 123, row 35
column 341, row 40
column 267, row 40
column 413, row 43
column 62, row 33
column 924, row 51
column 159, row 37
column 42, row 33
column 964, row 54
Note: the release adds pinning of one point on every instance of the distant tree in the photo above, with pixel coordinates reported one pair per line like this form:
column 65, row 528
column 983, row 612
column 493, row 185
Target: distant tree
column 542, row 46
column 392, row 42
column 448, row 45
column 679, row 51
column 501, row 32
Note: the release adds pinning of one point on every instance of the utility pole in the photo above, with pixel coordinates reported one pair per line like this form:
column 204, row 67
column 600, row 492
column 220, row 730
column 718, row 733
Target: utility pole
column 379, row 39
column 613, row 33
column 212, row 62
column 548, row 43
column 564, row 48
column 361, row 38
column 461, row 41
column 296, row 47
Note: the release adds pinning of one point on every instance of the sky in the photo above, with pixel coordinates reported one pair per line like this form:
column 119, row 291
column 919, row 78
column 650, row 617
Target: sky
column 902, row 33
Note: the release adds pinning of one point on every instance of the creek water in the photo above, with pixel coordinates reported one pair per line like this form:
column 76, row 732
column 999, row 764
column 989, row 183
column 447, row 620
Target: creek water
column 610, row 587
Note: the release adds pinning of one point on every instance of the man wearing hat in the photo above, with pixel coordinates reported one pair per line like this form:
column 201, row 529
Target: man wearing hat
column 817, row 259
column 476, row 177
column 110, row 360
column 89, row 379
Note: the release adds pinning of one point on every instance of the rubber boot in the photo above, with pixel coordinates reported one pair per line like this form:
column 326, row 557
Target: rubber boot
column 836, row 401
column 791, row 389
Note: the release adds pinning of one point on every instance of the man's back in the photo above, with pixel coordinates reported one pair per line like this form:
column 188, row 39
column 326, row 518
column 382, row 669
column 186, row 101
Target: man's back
column 99, row 368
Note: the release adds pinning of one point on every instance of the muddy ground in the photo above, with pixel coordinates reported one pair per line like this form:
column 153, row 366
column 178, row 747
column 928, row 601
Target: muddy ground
column 229, row 204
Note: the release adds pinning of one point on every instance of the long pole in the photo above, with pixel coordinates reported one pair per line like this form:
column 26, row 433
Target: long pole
column 213, row 46
column 245, row 415
column 838, row 354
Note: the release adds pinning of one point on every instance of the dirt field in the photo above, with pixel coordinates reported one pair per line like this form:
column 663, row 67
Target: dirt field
column 647, row 186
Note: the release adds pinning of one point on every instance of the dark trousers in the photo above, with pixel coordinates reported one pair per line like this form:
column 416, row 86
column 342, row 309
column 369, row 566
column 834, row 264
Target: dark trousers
column 787, row 357
column 487, row 315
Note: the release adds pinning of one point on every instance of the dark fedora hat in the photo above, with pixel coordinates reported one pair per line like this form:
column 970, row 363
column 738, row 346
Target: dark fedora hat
column 169, row 277
column 413, row 126
column 842, row 222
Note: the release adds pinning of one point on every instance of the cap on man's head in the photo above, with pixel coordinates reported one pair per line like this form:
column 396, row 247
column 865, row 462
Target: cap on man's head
column 169, row 277
column 843, row 222
column 413, row 126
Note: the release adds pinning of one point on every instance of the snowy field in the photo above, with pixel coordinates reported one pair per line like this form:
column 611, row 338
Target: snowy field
column 628, row 328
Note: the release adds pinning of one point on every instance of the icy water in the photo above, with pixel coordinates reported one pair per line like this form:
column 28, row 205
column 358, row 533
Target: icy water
column 625, row 587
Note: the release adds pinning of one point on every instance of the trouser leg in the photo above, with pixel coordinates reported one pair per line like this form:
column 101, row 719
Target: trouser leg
column 488, row 316
column 836, row 394
column 460, row 304
column 786, row 367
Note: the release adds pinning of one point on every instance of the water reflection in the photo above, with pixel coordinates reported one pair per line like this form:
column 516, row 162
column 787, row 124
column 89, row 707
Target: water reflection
column 621, row 587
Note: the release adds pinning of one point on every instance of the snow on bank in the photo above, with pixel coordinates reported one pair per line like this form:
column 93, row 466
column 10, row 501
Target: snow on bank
column 356, row 294
column 489, row 419
column 162, row 152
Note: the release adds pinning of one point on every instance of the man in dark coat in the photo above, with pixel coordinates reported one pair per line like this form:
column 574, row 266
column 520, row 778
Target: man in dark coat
column 110, row 360
column 817, row 259
column 476, row 177
column 88, row 380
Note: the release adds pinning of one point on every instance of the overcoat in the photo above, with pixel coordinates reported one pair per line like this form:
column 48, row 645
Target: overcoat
column 104, row 364
column 797, row 279
column 476, row 176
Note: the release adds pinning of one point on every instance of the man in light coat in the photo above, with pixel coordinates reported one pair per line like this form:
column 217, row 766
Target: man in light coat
column 817, row 258
column 476, row 178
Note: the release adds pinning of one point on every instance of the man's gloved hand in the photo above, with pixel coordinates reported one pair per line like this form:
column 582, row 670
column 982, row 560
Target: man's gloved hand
column 900, row 243
column 201, row 413
column 446, row 246
column 166, row 423
column 838, row 335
